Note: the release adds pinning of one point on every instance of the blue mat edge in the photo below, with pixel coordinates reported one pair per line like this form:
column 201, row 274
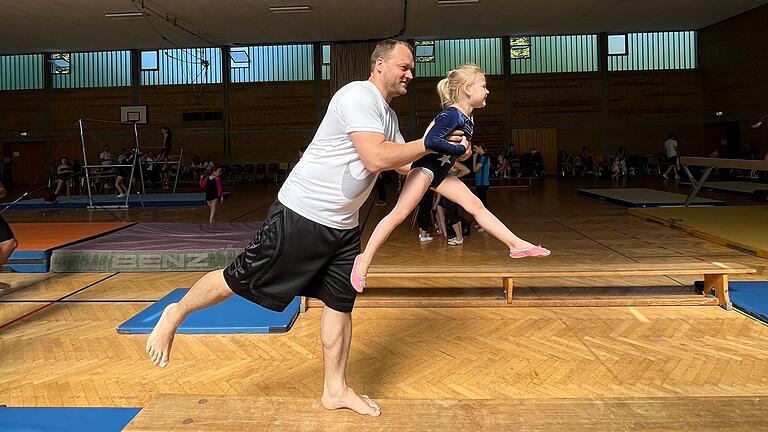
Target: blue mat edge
column 28, row 268
column 124, row 417
column 754, row 314
column 295, row 304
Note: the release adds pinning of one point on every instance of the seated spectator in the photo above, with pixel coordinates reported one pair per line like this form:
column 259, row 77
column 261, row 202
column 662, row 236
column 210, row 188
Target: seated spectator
column 532, row 164
column 567, row 164
column 195, row 169
column 64, row 174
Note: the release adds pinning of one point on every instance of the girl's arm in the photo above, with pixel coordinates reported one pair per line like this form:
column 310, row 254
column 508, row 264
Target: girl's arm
column 475, row 164
column 444, row 124
column 203, row 181
column 219, row 188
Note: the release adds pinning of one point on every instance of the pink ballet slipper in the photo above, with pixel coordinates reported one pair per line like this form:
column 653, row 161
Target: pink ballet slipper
column 358, row 282
column 534, row 251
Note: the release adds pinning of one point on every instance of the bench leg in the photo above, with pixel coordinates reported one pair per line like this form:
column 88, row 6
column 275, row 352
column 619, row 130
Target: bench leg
column 720, row 284
column 695, row 185
column 508, row 289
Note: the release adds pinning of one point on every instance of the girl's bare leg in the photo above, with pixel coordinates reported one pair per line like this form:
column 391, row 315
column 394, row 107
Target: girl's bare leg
column 453, row 189
column 416, row 184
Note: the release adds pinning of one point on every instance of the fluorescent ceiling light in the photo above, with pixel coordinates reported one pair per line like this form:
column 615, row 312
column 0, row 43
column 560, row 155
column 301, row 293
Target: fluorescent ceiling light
column 456, row 2
column 289, row 9
column 132, row 14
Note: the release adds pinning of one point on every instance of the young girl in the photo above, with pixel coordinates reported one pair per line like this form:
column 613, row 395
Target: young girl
column 461, row 92
column 213, row 191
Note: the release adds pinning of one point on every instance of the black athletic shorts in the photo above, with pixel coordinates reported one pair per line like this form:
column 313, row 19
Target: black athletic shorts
column 672, row 160
column 293, row 256
column 5, row 231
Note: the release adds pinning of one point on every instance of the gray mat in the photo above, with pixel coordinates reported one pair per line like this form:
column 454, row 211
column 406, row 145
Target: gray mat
column 149, row 247
column 642, row 197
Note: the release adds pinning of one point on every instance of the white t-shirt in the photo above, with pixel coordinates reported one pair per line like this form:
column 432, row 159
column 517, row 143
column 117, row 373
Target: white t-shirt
column 105, row 158
column 670, row 147
column 330, row 183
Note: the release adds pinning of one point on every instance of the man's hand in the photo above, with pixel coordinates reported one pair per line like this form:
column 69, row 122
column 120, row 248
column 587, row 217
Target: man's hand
column 455, row 136
column 467, row 152
column 404, row 170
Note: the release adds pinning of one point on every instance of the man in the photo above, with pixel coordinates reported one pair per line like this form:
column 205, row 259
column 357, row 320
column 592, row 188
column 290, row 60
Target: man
column 310, row 237
column 670, row 150
column 7, row 241
column 105, row 156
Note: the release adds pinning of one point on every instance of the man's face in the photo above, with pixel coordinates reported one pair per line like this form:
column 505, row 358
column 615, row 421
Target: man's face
column 397, row 71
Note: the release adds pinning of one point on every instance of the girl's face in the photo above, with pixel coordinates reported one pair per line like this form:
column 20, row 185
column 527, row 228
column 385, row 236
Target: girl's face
column 217, row 172
column 478, row 92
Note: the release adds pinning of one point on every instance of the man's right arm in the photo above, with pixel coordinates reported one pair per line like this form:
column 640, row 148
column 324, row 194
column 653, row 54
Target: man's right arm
column 378, row 154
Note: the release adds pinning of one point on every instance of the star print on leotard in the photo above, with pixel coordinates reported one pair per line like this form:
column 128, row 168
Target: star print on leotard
column 440, row 163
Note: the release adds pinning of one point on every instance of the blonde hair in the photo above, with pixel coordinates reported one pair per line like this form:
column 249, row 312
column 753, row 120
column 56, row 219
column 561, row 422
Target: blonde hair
column 449, row 88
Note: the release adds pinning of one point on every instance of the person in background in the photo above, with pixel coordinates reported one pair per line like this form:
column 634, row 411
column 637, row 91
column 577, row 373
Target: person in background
column 64, row 173
column 214, row 194
column 8, row 242
column 481, row 166
column 671, row 152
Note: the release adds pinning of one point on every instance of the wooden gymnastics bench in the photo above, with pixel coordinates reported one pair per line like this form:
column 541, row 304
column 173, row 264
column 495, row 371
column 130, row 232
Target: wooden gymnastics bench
column 709, row 164
column 715, row 274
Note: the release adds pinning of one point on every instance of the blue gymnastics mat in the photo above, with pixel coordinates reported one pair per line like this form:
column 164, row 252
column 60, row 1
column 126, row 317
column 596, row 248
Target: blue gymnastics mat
column 29, row 261
column 750, row 297
column 234, row 315
column 43, row 419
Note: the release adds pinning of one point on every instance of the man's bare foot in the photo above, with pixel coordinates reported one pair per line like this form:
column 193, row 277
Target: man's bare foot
column 160, row 340
column 360, row 404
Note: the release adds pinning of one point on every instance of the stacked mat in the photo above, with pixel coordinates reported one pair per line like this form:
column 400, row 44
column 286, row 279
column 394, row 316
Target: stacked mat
column 37, row 241
column 158, row 247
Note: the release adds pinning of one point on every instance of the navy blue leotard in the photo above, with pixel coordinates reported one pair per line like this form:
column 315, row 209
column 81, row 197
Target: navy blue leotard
column 440, row 164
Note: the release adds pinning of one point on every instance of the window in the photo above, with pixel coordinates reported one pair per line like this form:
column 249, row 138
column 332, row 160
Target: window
column 520, row 48
column 184, row 66
column 239, row 57
column 425, row 51
column 553, row 54
column 60, row 64
column 149, row 60
column 271, row 63
column 21, row 72
column 449, row 53
column 325, row 68
column 91, row 69
column 617, row 44
column 656, row 51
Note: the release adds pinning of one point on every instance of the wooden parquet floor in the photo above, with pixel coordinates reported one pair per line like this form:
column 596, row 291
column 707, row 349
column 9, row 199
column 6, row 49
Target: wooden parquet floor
column 230, row 414
column 69, row 354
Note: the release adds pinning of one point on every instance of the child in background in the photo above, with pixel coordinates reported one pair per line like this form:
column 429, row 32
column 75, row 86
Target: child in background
column 214, row 194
